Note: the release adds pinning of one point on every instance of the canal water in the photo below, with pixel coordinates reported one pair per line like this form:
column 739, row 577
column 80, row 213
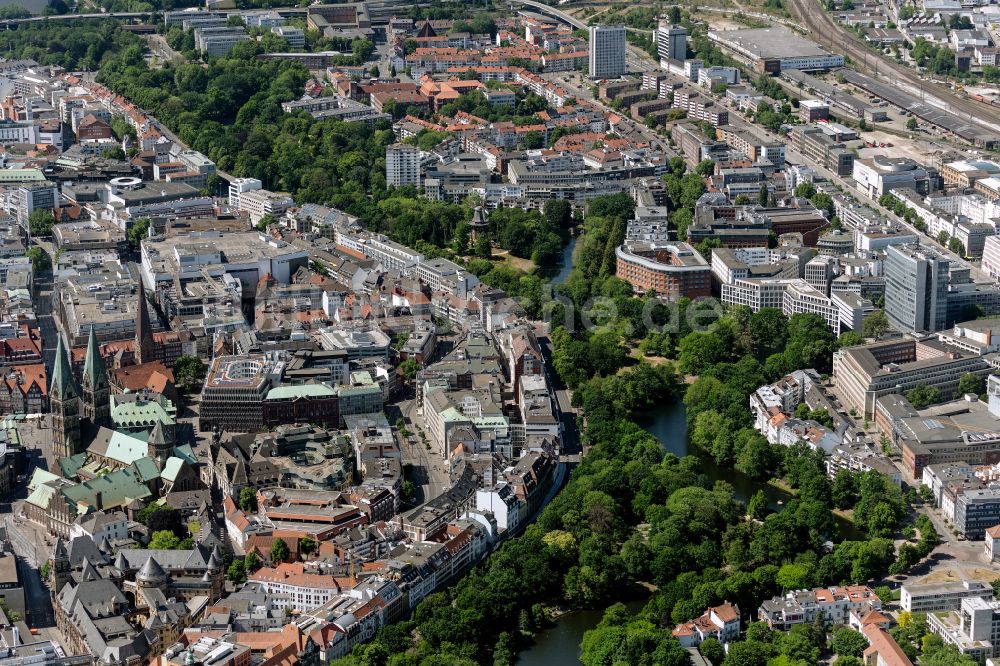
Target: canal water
column 567, row 261
column 560, row 645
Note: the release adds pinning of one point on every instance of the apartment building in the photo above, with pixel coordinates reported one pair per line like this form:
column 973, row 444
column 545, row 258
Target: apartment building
column 607, row 51
column 219, row 41
column 28, row 198
column 671, row 41
column 719, row 622
column 402, row 165
column 392, row 255
column 730, row 265
column 991, row 257
column 700, row 107
column 238, row 186
column 817, row 145
column 755, row 293
column 292, row 588
column 755, row 147
column 976, row 510
column 834, row 604
column 963, row 174
column 802, row 297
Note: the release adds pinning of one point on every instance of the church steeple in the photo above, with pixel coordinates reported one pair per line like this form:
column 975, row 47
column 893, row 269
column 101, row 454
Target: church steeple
column 145, row 347
column 64, row 403
column 96, row 405
column 59, row 568
column 159, row 446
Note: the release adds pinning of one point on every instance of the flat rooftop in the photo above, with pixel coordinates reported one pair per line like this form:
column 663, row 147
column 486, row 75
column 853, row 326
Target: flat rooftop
column 772, row 43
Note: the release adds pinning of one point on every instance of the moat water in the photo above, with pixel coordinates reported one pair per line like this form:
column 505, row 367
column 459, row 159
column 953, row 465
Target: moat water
column 560, row 645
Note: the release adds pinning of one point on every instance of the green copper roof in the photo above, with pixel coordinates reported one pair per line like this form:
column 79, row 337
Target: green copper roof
column 21, row 175
column 186, row 453
column 39, row 477
column 72, row 464
column 171, row 469
column 126, row 448
column 95, row 374
column 41, row 496
column 146, row 468
column 117, row 489
column 63, row 386
column 141, row 414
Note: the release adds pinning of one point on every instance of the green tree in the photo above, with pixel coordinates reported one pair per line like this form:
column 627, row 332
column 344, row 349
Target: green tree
column 307, row 544
column 942, row 237
column 237, row 572
column 763, row 196
column 251, row 561
column 558, row 213
column 40, row 222
column 699, row 351
column 875, row 325
column 847, row 642
column 483, row 249
column 164, row 540
column 757, row 507
column 265, row 221
column 279, row 551
column 533, row 140
column 845, row 489
column 503, row 650
column 39, row 258
column 849, row 339
column 756, row 458
column 748, row 653
column 911, row 124
column 705, row 168
column 794, row 576
column 711, row 649
column 970, row 383
column 189, row 372
column 138, row 231
column 805, row 190
column 409, row 369
column 923, row 395
column 248, row 499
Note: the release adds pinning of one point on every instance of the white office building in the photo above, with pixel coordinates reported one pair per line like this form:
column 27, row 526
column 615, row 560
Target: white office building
column 240, row 185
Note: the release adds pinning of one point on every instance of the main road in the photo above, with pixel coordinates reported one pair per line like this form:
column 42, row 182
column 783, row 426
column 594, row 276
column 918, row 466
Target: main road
column 821, row 27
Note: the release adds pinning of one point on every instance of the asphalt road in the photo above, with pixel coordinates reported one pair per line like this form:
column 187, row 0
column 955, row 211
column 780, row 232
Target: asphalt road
column 32, row 551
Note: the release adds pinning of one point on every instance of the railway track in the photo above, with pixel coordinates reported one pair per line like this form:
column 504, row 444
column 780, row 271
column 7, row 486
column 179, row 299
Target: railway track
column 830, row 34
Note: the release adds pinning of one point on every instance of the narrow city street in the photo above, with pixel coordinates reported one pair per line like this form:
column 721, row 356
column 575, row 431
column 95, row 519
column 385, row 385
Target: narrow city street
column 32, row 548
column 430, row 472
